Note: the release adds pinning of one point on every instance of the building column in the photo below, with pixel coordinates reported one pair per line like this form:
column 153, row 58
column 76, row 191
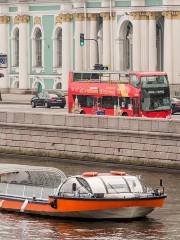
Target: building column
column 79, row 18
column 106, row 39
column 168, row 59
column 23, row 51
column 136, row 42
column 112, row 38
column 4, row 20
column 152, row 42
column 144, row 41
column 119, row 46
column 66, row 49
column 93, row 44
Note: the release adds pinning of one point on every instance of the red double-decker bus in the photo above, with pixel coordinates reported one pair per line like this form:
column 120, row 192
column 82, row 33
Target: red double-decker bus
column 137, row 94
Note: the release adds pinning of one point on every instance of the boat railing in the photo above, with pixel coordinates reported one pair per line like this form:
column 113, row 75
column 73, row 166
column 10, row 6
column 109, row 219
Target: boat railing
column 26, row 191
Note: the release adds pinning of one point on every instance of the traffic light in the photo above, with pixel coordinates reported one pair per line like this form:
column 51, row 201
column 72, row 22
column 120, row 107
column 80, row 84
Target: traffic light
column 81, row 39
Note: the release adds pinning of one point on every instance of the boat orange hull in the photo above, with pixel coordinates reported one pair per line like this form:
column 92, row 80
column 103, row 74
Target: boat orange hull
column 85, row 208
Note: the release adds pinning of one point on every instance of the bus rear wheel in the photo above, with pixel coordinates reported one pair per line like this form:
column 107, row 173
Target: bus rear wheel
column 82, row 112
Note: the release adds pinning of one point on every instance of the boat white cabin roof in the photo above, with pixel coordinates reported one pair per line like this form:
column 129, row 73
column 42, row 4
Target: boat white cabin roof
column 102, row 183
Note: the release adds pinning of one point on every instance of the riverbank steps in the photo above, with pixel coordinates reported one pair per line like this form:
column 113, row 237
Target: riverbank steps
column 138, row 141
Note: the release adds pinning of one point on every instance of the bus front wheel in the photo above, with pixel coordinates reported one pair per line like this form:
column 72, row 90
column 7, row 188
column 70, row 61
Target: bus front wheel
column 124, row 114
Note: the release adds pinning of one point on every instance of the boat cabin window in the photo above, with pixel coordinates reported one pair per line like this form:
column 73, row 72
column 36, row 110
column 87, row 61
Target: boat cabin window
column 115, row 185
column 74, row 186
column 84, row 184
column 96, row 185
column 134, row 184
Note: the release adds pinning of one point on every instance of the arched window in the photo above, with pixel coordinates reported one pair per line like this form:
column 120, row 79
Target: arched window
column 125, row 45
column 38, row 48
column 57, row 49
column 128, row 47
column 160, row 43
column 16, row 48
column 59, row 85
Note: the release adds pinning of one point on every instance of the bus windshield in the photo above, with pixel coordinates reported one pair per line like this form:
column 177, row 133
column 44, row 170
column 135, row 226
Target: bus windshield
column 155, row 100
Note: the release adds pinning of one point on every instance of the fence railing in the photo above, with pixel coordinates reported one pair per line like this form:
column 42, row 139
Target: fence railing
column 26, row 191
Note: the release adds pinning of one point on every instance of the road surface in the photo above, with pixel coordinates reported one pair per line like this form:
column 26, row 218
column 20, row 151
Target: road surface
column 28, row 108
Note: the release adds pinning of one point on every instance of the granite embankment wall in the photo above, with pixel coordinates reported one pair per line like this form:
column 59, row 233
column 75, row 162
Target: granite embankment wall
column 123, row 139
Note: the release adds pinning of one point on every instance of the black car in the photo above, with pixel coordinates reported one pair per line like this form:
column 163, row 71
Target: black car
column 175, row 105
column 48, row 99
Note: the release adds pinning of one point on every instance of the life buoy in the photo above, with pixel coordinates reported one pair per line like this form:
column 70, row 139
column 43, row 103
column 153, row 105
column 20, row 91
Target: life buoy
column 118, row 173
column 90, row 174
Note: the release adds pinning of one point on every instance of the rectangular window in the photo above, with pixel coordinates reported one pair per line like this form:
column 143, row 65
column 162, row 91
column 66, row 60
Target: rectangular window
column 16, row 51
column 38, row 53
column 59, row 52
column 86, row 101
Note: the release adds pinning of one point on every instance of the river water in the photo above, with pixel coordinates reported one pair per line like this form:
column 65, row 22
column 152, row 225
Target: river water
column 162, row 224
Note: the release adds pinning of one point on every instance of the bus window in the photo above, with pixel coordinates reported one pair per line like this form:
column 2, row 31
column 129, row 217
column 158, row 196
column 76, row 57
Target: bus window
column 86, row 77
column 154, row 81
column 135, row 81
column 108, row 102
column 95, row 76
column 76, row 77
column 124, row 102
column 86, row 101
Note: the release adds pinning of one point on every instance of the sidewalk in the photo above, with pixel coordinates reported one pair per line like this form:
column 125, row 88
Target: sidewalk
column 10, row 98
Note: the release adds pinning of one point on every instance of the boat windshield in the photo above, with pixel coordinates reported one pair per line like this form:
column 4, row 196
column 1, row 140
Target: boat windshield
column 134, row 184
column 81, row 187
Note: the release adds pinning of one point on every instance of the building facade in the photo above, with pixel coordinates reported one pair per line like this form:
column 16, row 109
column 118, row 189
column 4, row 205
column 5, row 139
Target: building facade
column 42, row 39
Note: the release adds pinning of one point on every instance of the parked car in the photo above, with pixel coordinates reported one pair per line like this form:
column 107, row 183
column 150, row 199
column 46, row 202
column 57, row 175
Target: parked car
column 175, row 105
column 49, row 98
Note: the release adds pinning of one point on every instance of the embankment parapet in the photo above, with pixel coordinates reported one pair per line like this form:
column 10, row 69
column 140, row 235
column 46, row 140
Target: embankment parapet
column 102, row 137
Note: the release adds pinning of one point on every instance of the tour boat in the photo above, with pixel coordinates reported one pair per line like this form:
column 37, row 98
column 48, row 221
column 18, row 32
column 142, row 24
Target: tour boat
column 47, row 191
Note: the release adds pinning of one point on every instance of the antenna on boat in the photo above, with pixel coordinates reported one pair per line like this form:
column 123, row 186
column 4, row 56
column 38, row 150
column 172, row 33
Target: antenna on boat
column 161, row 185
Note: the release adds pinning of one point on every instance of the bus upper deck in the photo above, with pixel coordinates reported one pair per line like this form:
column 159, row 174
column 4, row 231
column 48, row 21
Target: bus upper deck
column 100, row 76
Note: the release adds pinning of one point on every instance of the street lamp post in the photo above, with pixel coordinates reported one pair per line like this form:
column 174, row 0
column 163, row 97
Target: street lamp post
column 82, row 40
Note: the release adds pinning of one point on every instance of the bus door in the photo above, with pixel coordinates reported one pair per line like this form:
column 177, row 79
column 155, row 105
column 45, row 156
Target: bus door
column 135, row 106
